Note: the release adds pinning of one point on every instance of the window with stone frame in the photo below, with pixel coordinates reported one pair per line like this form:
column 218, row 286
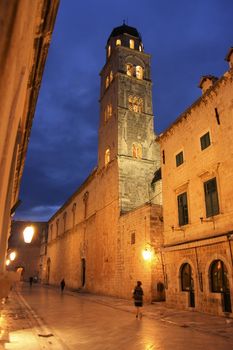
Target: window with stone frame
column 118, row 42
column 211, row 197
column 179, row 158
column 135, row 104
column 182, row 209
column 205, row 141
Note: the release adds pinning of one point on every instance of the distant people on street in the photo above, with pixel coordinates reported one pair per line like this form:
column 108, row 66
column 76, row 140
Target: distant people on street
column 30, row 281
column 138, row 299
column 62, row 284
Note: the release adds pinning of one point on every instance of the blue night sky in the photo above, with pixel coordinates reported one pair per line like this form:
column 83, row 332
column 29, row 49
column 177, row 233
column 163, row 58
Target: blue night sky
column 187, row 39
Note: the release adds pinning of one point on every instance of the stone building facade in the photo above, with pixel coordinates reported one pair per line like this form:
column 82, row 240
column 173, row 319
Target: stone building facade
column 197, row 171
column 26, row 28
column 95, row 240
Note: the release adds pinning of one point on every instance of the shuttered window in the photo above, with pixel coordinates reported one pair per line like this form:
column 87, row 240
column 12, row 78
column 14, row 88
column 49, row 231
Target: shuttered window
column 205, row 141
column 211, row 197
column 182, row 209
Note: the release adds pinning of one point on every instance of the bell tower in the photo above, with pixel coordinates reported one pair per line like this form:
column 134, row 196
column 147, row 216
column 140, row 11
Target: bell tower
column 126, row 132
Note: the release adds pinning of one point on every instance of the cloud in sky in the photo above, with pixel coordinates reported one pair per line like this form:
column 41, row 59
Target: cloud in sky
column 186, row 39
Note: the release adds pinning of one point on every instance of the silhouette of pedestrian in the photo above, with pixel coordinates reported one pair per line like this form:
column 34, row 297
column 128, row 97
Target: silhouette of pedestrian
column 62, row 284
column 138, row 299
column 30, row 281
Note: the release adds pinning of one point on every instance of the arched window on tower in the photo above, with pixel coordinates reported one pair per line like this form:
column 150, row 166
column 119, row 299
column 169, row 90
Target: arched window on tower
column 107, row 156
column 118, row 42
column 131, row 44
column 139, row 72
column 137, row 151
column 107, row 82
column 129, row 69
column 111, row 76
column 109, row 50
column 109, row 111
column 140, row 48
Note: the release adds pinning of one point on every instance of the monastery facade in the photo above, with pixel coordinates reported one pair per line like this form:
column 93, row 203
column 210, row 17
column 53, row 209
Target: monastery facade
column 96, row 239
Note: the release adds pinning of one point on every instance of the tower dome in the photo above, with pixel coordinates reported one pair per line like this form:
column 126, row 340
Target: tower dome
column 126, row 36
column 124, row 29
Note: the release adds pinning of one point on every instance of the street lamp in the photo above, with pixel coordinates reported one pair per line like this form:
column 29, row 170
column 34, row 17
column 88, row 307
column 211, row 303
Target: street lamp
column 12, row 256
column 28, row 234
column 148, row 252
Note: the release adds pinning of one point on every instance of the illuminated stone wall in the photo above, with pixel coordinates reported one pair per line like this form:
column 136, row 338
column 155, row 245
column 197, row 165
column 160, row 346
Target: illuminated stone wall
column 204, row 239
column 26, row 29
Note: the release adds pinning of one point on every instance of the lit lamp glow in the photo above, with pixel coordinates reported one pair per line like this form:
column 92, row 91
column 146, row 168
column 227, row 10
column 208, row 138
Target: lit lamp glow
column 12, row 256
column 8, row 262
column 147, row 253
column 28, row 234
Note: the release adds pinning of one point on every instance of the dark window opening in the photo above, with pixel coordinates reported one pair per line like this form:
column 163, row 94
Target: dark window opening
column 205, row 141
column 163, row 156
column 217, row 116
column 182, row 209
column 133, row 239
column 211, row 197
column 179, row 159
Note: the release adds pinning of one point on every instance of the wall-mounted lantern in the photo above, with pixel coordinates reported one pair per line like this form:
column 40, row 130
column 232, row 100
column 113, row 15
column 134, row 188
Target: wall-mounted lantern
column 28, row 234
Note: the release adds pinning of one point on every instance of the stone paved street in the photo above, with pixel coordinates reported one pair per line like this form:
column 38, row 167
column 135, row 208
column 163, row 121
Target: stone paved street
column 42, row 318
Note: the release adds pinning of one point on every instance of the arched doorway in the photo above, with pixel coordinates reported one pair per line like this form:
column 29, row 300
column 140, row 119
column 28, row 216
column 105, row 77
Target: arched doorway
column 187, row 283
column 83, row 272
column 48, row 266
column 219, row 283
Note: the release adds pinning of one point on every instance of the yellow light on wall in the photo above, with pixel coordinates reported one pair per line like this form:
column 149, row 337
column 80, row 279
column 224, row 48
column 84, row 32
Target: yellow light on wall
column 8, row 262
column 12, row 256
column 147, row 253
column 28, row 234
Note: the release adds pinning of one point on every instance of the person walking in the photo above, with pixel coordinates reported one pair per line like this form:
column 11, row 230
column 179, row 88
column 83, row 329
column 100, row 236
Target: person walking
column 62, row 285
column 30, row 281
column 138, row 299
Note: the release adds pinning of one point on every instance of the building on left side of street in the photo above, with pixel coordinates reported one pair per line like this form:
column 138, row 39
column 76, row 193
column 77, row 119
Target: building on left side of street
column 26, row 28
